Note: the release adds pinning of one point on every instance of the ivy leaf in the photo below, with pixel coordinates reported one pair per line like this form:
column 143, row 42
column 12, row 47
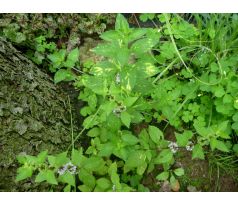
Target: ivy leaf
column 23, row 173
column 121, row 24
column 163, row 176
column 179, row 172
column 126, row 118
column 165, row 156
column 155, row 134
column 197, row 152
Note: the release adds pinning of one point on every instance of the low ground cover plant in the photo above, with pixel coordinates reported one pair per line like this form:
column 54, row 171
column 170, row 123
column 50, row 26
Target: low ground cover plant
column 181, row 74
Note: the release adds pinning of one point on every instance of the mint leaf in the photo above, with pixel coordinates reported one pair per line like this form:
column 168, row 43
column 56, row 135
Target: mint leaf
column 126, row 118
column 23, row 173
column 163, row 176
column 182, row 139
column 121, row 24
column 155, row 134
column 197, row 152
column 165, row 156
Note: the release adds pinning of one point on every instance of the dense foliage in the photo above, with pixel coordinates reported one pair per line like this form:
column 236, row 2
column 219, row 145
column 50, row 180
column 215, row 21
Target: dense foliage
column 179, row 74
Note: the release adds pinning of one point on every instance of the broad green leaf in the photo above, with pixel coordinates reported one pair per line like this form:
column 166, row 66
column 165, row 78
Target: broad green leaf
column 129, row 101
column 197, row 152
column 67, row 178
column 104, row 49
column 23, row 173
column 143, row 45
column 105, row 150
column 114, row 176
column 111, row 35
column 87, row 178
column 77, row 157
column 182, row 139
column 235, row 126
column 42, row 157
column 67, row 188
column 72, row 58
column 93, row 163
column 136, row 34
column 179, row 172
column 141, row 169
column 104, row 183
column 41, row 176
column 57, row 58
column 155, row 134
column 62, row 75
column 136, row 159
column 96, row 84
column 219, row 91
column 129, row 139
column 122, row 56
column 128, row 79
column 165, row 156
column 49, row 177
column 94, row 132
column 235, row 148
column 217, row 144
column 126, row 118
column 84, row 188
column 163, row 176
column 235, row 117
column 121, row 24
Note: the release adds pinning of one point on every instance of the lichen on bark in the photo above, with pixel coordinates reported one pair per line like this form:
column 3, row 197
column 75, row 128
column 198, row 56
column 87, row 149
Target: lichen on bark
column 33, row 115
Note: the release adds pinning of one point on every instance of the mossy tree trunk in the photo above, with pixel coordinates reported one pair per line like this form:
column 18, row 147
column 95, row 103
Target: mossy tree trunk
column 32, row 115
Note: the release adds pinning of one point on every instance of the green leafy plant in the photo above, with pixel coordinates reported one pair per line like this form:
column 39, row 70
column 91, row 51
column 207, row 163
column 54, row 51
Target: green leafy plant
column 175, row 75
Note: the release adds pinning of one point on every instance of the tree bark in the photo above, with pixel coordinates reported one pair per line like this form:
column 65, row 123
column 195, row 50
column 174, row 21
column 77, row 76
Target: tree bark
column 33, row 115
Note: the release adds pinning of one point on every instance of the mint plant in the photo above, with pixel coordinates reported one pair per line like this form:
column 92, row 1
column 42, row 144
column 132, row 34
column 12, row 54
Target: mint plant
column 175, row 74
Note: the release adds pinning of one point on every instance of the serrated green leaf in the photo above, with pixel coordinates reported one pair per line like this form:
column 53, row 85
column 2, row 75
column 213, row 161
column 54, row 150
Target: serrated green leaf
column 105, row 150
column 136, row 34
column 165, row 156
column 121, row 24
column 217, row 144
column 136, row 159
column 72, row 58
column 62, row 75
column 87, row 178
column 50, row 177
column 163, row 176
column 93, row 163
column 129, row 139
column 84, row 188
column 111, row 36
column 155, row 134
column 197, row 152
column 24, row 173
column 143, row 45
column 126, row 118
column 219, row 91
